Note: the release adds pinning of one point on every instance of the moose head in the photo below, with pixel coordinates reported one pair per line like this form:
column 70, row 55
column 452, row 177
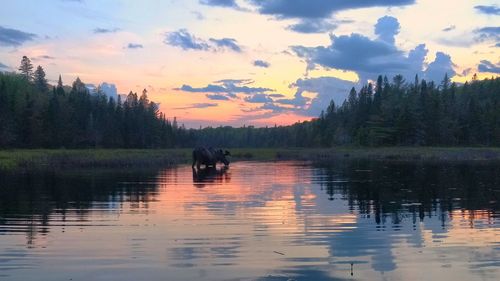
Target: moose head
column 221, row 156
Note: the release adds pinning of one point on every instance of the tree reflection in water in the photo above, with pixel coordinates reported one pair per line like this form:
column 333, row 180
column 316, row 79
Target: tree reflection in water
column 30, row 201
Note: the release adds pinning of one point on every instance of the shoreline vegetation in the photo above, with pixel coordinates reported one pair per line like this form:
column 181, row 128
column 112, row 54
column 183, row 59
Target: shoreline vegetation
column 35, row 159
column 391, row 119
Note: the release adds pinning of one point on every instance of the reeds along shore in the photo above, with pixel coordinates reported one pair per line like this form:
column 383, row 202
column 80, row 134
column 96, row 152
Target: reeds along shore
column 118, row 158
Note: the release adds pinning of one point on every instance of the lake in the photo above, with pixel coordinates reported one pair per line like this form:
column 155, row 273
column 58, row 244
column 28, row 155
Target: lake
column 350, row 220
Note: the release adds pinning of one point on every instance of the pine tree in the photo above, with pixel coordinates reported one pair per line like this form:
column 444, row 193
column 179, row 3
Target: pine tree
column 377, row 96
column 79, row 86
column 26, row 68
column 143, row 100
column 40, row 81
column 60, row 87
column 54, row 120
column 174, row 124
column 27, row 121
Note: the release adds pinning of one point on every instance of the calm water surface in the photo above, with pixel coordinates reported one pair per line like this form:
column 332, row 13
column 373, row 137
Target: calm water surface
column 254, row 221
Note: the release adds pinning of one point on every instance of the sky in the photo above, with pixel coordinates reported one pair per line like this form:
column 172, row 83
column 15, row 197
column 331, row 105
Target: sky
column 250, row 62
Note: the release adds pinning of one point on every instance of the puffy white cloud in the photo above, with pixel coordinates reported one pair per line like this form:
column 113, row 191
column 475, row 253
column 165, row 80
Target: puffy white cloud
column 441, row 65
column 109, row 90
column 387, row 28
column 369, row 58
column 326, row 89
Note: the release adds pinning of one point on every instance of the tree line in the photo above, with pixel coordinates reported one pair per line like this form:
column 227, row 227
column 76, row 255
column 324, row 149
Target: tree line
column 34, row 114
column 389, row 113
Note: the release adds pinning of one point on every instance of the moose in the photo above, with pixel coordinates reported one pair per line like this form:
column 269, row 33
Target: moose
column 209, row 157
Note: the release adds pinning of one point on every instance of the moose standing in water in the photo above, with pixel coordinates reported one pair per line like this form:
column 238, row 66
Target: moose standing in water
column 209, row 157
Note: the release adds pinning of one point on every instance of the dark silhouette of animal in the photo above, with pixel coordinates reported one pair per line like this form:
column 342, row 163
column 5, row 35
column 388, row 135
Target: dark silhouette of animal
column 209, row 157
column 210, row 176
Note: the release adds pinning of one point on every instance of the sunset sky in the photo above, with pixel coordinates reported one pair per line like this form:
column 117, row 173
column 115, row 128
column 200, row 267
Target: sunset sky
column 252, row 62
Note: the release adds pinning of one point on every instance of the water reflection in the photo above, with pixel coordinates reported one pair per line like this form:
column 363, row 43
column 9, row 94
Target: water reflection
column 389, row 191
column 32, row 202
column 211, row 175
column 255, row 221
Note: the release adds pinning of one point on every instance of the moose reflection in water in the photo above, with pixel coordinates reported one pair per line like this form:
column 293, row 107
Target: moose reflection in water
column 209, row 157
column 210, row 175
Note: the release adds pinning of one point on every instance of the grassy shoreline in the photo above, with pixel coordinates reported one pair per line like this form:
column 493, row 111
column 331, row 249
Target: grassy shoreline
column 120, row 158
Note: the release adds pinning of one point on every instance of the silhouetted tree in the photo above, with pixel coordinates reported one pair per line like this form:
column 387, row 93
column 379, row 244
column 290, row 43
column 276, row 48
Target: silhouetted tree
column 26, row 68
column 40, row 80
